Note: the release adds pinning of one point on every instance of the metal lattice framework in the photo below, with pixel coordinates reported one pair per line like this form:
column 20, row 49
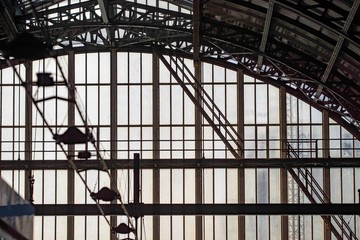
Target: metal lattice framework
column 310, row 47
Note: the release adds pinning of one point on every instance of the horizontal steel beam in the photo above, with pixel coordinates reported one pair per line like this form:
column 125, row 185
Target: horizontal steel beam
column 181, row 163
column 137, row 210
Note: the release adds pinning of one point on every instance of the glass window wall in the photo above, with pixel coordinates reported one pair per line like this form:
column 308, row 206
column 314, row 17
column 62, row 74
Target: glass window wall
column 154, row 117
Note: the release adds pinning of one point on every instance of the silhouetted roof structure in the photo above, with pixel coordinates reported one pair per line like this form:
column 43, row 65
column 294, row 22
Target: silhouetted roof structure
column 311, row 48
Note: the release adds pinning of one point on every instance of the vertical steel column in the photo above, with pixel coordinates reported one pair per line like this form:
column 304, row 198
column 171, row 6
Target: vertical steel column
column 136, row 184
column 1, row 111
column 28, row 125
column 156, row 137
column 283, row 172
column 71, row 149
column 156, row 142
column 326, row 170
column 198, row 115
column 240, row 130
column 113, row 123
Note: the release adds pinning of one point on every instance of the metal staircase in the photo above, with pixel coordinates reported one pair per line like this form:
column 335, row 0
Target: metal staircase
column 316, row 195
column 210, row 111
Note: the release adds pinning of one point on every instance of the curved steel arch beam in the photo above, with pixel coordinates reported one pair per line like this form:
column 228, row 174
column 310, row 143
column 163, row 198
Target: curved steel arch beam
column 231, row 65
column 227, row 42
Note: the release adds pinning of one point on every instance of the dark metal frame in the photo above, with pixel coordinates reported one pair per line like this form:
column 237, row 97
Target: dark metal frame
column 198, row 209
column 182, row 164
column 316, row 67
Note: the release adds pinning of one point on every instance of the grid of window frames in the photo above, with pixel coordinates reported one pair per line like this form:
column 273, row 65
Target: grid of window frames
column 261, row 137
column 135, row 127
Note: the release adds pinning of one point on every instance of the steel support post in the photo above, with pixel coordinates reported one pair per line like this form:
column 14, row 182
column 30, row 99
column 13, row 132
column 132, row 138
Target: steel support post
column 71, row 149
column 113, row 123
column 283, row 172
column 198, row 115
column 156, row 142
column 28, row 127
column 326, row 170
column 240, row 130
column 136, row 186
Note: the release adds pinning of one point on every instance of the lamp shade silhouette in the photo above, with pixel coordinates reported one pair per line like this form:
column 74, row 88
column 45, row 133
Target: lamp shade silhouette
column 73, row 136
column 105, row 194
column 123, row 228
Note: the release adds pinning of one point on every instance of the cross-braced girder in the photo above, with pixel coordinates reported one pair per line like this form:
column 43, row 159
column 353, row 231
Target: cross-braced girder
column 293, row 44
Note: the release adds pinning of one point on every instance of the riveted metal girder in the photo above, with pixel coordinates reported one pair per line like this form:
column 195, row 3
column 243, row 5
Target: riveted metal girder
column 298, row 50
column 84, row 165
column 197, row 209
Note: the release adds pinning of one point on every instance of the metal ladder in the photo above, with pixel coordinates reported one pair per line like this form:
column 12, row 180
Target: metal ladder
column 316, row 195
